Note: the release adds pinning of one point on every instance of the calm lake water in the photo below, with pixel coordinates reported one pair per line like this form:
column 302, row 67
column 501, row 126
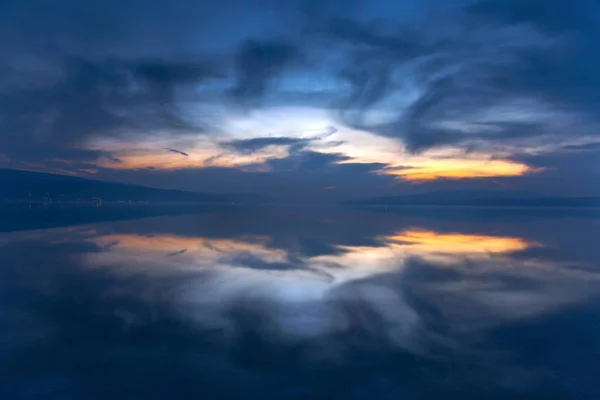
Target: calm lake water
column 300, row 303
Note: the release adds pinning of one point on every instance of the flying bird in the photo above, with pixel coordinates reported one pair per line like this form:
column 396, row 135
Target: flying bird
column 177, row 152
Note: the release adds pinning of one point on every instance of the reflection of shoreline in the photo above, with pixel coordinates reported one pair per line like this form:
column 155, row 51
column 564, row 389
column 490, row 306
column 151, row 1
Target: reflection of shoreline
column 476, row 206
column 110, row 202
column 25, row 216
column 483, row 211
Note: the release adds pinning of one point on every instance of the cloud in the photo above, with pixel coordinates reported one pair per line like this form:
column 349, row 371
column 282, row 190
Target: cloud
column 257, row 64
column 576, row 173
column 485, row 76
column 555, row 17
column 91, row 100
column 294, row 144
column 249, row 146
column 475, row 66
column 583, row 147
column 306, row 161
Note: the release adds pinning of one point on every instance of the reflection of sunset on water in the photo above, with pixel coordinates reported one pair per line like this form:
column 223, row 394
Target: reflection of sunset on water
column 384, row 280
column 438, row 248
column 253, row 269
column 261, row 259
column 456, row 243
column 187, row 252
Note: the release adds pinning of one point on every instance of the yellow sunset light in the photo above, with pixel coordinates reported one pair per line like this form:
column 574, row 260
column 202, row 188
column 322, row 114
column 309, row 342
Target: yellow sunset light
column 432, row 169
column 456, row 243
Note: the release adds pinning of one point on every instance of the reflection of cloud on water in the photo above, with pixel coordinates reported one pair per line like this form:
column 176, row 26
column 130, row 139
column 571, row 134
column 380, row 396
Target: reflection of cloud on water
column 470, row 281
column 358, row 262
column 146, row 252
column 438, row 308
column 493, row 292
column 448, row 247
column 407, row 289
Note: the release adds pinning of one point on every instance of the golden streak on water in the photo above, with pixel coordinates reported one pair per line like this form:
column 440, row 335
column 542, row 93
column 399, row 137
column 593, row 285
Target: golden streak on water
column 457, row 243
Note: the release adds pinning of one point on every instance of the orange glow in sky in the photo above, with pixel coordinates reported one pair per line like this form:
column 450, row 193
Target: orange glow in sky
column 410, row 168
column 166, row 160
column 428, row 170
column 414, row 169
column 308, row 124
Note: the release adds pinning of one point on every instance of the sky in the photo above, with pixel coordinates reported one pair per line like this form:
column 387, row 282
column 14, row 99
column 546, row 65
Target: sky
column 321, row 100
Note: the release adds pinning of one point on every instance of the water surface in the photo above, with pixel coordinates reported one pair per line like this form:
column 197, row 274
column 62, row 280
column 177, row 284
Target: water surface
column 301, row 303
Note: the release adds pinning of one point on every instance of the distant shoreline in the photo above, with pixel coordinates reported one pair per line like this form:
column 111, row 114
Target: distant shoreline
column 528, row 206
column 110, row 202
column 283, row 204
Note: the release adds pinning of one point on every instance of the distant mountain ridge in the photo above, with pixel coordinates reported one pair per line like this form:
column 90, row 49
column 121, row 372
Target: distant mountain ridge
column 19, row 185
column 482, row 198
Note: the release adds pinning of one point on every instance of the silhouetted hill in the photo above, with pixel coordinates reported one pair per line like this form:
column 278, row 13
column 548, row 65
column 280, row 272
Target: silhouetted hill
column 482, row 198
column 17, row 185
